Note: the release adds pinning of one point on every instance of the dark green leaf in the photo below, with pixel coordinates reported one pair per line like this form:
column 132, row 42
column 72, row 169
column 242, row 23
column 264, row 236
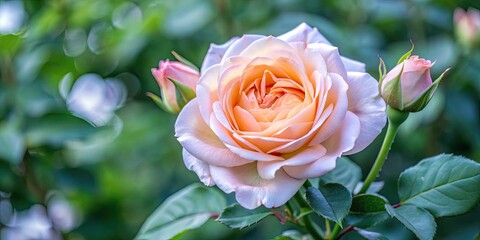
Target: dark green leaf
column 418, row 220
column 236, row 216
column 187, row 209
column 371, row 235
column 11, row 142
column 374, row 187
column 366, row 220
column 445, row 185
column 346, row 173
column 331, row 201
column 368, row 203
column 292, row 235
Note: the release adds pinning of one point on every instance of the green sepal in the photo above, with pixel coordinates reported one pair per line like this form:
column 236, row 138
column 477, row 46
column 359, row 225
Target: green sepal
column 183, row 60
column 392, row 92
column 186, row 92
column 160, row 103
column 382, row 71
column 422, row 100
column 406, row 55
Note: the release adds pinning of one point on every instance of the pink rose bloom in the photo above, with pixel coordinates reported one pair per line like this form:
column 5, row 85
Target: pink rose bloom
column 415, row 80
column 271, row 112
column 467, row 26
column 176, row 71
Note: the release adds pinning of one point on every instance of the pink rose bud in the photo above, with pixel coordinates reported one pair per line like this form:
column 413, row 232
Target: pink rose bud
column 408, row 87
column 177, row 83
column 467, row 27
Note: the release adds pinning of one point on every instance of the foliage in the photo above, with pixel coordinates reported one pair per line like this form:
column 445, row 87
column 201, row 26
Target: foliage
column 108, row 179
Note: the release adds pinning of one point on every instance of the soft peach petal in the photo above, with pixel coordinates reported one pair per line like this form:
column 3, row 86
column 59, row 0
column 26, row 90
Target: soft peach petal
column 199, row 140
column 343, row 140
column 337, row 96
column 202, row 169
column 331, row 56
column 272, row 47
column 267, row 170
column 365, row 102
column 305, row 34
column 251, row 190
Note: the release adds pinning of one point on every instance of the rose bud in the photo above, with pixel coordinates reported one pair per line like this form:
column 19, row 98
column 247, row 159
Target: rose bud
column 467, row 27
column 177, row 83
column 408, row 87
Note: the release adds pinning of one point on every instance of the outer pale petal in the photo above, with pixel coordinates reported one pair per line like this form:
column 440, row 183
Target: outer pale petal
column 251, row 190
column 207, row 90
column 199, row 140
column 202, row 169
column 304, row 33
column 343, row 140
column 365, row 102
column 267, row 170
column 215, row 53
column 238, row 46
column 353, row 65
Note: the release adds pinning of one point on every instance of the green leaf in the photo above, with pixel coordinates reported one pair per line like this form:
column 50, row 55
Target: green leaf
column 445, row 185
column 346, row 173
column 187, row 209
column 12, row 143
column 368, row 203
column 374, row 187
column 183, row 60
column 293, row 235
column 371, row 235
column 331, row 201
column 418, row 220
column 10, row 43
column 366, row 220
column 236, row 216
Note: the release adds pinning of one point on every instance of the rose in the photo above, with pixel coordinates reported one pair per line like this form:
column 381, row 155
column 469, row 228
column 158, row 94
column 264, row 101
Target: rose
column 467, row 27
column 271, row 112
column 408, row 86
column 176, row 71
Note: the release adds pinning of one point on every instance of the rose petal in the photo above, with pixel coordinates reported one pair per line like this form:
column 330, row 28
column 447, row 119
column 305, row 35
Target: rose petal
column 207, row 90
column 215, row 54
column 304, row 33
column 365, row 102
column 202, row 169
column 331, row 56
column 353, row 65
column 267, row 170
column 343, row 140
column 337, row 96
column 240, row 44
column 199, row 140
column 251, row 190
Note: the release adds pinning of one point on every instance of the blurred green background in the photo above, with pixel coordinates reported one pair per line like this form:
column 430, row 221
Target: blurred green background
column 66, row 177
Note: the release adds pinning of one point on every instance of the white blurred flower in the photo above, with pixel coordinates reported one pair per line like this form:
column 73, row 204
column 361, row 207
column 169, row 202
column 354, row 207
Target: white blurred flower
column 95, row 99
column 30, row 224
column 62, row 214
column 11, row 16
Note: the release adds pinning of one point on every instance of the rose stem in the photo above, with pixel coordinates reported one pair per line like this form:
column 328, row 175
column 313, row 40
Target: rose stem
column 395, row 119
column 308, row 222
